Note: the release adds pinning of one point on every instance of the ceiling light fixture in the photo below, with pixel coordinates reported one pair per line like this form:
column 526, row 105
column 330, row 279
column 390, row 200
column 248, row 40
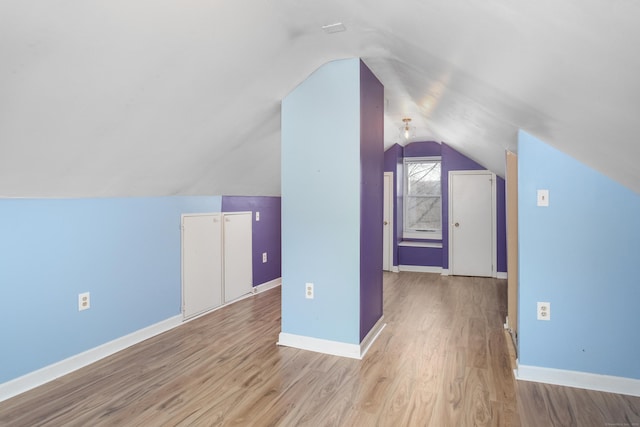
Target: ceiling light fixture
column 407, row 131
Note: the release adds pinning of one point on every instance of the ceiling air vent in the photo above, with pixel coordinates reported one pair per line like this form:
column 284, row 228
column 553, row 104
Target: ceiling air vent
column 338, row 27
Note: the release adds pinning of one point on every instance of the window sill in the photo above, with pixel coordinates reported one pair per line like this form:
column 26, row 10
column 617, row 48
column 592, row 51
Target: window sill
column 423, row 235
column 420, row 244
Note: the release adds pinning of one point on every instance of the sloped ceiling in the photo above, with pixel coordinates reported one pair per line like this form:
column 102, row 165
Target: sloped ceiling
column 164, row 97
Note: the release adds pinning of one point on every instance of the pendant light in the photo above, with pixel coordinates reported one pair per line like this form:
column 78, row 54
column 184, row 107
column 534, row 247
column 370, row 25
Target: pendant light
column 406, row 130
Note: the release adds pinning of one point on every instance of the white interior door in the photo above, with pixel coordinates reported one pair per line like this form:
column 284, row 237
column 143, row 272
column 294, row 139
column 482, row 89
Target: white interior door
column 472, row 229
column 238, row 272
column 387, row 223
column 201, row 263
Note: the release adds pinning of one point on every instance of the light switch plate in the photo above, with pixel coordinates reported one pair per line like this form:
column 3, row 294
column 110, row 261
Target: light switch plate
column 543, row 197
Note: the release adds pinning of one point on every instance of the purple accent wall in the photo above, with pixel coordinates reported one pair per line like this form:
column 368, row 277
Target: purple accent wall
column 392, row 156
column 393, row 163
column 266, row 236
column 422, row 149
column 451, row 160
column 371, row 203
column 426, row 257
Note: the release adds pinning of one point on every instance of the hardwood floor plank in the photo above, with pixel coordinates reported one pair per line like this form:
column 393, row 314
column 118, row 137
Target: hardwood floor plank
column 477, row 344
column 531, row 405
column 561, row 413
column 442, row 360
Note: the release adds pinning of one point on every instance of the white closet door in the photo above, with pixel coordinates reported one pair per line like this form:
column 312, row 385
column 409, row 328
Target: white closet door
column 201, row 263
column 472, row 223
column 238, row 273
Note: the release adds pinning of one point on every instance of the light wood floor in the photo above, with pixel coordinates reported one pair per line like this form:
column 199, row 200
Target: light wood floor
column 442, row 360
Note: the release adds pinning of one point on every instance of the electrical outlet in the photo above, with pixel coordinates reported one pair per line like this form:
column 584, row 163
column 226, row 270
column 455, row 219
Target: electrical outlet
column 84, row 301
column 544, row 311
column 308, row 290
column 264, row 257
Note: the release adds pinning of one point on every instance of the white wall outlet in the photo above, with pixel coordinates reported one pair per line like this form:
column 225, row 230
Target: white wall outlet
column 264, row 257
column 84, row 301
column 543, row 197
column 544, row 311
column 308, row 290
column 257, row 216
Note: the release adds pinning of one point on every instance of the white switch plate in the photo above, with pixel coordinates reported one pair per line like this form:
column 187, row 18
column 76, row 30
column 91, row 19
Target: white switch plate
column 264, row 257
column 84, row 301
column 257, row 216
column 543, row 197
column 544, row 311
column 308, row 290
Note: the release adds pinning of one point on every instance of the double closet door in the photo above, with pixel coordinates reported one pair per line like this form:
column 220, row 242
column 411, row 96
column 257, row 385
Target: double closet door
column 216, row 260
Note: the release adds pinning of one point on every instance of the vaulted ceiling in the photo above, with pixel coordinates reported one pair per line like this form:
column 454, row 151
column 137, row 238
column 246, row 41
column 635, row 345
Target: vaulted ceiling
column 163, row 97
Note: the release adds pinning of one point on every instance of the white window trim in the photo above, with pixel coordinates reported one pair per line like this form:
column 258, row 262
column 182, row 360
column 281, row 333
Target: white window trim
column 413, row 234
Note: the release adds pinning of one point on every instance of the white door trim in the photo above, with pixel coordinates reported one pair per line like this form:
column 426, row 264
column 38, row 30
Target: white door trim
column 388, row 250
column 494, row 219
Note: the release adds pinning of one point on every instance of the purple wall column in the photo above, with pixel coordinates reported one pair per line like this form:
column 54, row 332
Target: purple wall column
column 266, row 236
column 371, row 203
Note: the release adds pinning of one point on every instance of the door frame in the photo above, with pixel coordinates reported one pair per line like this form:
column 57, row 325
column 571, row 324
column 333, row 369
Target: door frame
column 388, row 206
column 494, row 218
column 511, row 196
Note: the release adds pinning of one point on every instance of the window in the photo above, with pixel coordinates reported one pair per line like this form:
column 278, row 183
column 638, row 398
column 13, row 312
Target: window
column 422, row 198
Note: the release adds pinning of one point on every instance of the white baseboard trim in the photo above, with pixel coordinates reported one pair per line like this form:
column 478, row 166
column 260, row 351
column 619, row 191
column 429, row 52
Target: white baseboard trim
column 319, row 345
column 589, row 381
column 267, row 285
column 395, row 269
column 421, row 268
column 371, row 337
column 501, row 275
column 49, row 373
column 335, row 348
column 445, row 272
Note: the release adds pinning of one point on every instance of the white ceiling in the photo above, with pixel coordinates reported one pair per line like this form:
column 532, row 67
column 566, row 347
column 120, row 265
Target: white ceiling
column 162, row 97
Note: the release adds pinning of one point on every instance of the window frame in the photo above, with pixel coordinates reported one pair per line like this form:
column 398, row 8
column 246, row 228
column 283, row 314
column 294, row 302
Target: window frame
column 408, row 233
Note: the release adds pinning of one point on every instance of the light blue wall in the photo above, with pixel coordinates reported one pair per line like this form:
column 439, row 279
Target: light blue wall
column 321, row 204
column 582, row 255
column 125, row 252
